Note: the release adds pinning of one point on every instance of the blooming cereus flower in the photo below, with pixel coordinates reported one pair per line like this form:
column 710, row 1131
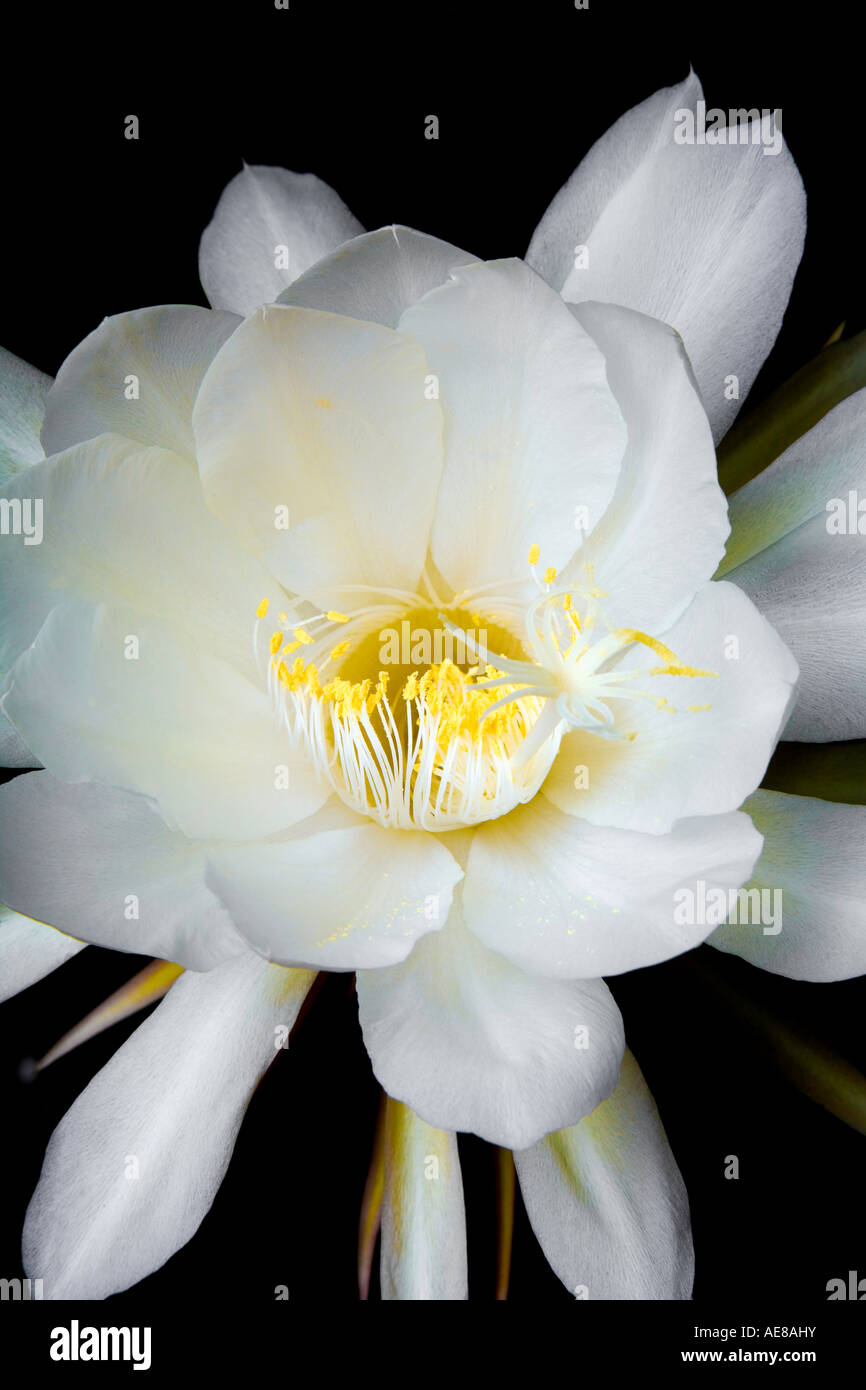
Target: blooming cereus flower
column 374, row 628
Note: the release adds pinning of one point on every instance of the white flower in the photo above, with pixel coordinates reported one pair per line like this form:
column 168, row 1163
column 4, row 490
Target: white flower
column 409, row 440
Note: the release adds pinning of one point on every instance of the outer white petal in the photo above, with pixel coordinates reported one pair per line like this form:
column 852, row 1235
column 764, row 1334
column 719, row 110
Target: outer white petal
column 167, row 351
column 326, row 416
column 811, row 876
column 561, row 897
column 607, row 1201
column 472, row 1043
column 29, row 951
column 172, row 723
column 22, row 405
column 686, row 762
column 705, row 237
column 664, row 531
column 127, row 524
column 13, row 750
column 423, row 1251
column 341, row 899
column 531, row 427
column 263, row 213
column 377, row 276
column 133, row 1167
column 809, row 581
column 102, row 865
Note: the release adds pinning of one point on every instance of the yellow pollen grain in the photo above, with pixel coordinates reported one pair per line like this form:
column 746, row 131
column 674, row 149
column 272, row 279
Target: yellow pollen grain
column 673, row 665
column 534, row 554
column 262, row 610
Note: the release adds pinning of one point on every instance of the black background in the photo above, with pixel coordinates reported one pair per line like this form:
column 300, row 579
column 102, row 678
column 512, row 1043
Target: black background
column 96, row 224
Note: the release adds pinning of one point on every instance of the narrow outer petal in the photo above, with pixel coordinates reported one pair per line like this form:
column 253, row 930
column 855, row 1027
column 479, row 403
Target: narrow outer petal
column 798, row 549
column 22, row 405
column 705, row 237
column 811, row 877
column 134, row 1166
column 607, row 1201
column 423, row 1251
column 29, row 951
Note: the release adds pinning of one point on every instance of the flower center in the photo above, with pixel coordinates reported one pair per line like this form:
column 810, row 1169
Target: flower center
column 437, row 717
column 398, row 714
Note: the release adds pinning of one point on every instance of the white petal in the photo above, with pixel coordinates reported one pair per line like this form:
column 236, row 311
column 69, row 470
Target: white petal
column 607, row 1201
column 167, row 351
column 126, row 524
column 664, row 531
column 561, row 897
column 472, row 1043
column 13, row 750
column 423, row 1252
column 22, row 405
column 531, row 427
column 265, row 217
column 813, row 892
column 172, row 723
column 134, row 1166
column 334, row 413
column 376, row 276
column 704, row 237
column 102, row 865
column 29, row 951
column 341, row 899
column 806, row 575
column 686, row 762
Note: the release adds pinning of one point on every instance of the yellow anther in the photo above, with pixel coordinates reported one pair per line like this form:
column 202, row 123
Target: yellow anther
column 340, row 650
column 284, row 618
column 334, row 617
column 262, row 610
column 302, row 636
column 276, row 643
column 283, row 673
column 550, row 575
column 534, row 554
